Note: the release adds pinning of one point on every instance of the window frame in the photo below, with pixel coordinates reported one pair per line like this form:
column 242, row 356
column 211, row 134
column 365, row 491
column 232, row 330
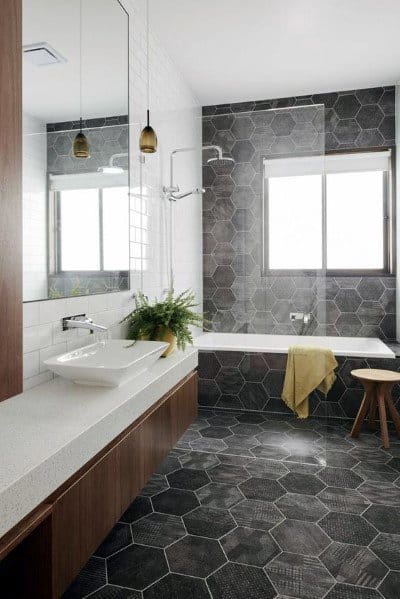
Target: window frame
column 388, row 222
column 55, row 241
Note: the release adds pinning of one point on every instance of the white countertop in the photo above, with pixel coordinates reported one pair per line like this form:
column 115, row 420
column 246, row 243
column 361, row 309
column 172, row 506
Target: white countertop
column 50, row 431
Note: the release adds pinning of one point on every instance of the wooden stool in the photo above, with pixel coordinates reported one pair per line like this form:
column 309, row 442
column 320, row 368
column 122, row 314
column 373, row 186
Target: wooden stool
column 378, row 390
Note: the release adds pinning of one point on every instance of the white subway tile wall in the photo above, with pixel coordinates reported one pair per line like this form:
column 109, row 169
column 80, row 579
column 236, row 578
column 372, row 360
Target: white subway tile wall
column 176, row 116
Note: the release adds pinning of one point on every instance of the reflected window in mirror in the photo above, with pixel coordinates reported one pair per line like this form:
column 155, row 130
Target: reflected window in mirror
column 75, row 210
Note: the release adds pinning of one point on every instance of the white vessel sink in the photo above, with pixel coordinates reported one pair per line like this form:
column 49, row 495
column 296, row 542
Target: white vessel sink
column 108, row 363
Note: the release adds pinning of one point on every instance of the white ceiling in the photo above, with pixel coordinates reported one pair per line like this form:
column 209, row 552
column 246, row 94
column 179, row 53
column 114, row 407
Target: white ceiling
column 51, row 93
column 237, row 50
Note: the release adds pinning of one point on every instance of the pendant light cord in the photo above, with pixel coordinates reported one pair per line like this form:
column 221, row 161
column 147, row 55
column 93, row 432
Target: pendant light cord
column 148, row 58
column 80, row 61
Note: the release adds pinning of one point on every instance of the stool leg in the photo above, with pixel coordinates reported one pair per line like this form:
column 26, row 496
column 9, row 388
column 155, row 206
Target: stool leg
column 372, row 412
column 394, row 413
column 382, row 416
column 355, row 431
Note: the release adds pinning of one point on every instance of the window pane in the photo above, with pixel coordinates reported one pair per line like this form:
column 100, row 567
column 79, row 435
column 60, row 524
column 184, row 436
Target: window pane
column 355, row 220
column 116, row 228
column 79, row 212
column 295, row 222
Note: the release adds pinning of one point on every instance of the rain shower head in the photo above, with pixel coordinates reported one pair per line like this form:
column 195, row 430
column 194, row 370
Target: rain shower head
column 222, row 161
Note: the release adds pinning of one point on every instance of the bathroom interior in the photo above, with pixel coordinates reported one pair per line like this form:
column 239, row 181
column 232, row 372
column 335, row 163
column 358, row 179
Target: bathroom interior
column 231, row 165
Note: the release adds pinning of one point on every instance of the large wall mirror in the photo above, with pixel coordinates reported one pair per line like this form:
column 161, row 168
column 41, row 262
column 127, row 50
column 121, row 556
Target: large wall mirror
column 75, row 209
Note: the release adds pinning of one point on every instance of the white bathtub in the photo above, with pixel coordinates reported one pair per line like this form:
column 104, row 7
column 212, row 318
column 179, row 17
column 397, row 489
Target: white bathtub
column 355, row 347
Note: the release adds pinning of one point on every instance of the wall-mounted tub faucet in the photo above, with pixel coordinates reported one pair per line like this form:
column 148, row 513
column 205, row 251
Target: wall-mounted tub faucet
column 304, row 317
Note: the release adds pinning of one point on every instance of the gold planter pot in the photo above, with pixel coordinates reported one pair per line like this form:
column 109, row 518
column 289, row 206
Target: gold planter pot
column 164, row 334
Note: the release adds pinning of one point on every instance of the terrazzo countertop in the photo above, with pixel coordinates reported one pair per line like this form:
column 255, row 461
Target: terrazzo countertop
column 50, row 431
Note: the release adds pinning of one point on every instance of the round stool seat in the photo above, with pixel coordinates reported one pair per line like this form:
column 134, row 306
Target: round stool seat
column 378, row 386
column 376, row 375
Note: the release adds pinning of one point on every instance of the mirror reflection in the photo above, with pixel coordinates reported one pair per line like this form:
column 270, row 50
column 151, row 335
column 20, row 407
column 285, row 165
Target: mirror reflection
column 76, row 148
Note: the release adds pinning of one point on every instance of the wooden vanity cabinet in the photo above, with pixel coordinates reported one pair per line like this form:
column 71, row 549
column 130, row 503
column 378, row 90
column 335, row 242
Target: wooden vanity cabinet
column 86, row 508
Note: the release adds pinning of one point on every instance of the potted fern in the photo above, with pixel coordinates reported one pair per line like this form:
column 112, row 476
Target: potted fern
column 166, row 320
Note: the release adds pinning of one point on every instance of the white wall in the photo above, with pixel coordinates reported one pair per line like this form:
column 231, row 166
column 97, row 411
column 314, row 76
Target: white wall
column 34, row 208
column 176, row 115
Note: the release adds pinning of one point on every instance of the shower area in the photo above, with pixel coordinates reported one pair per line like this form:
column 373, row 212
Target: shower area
column 297, row 242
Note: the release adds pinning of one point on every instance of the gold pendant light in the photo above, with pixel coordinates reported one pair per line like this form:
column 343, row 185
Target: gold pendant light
column 80, row 147
column 81, row 144
column 148, row 137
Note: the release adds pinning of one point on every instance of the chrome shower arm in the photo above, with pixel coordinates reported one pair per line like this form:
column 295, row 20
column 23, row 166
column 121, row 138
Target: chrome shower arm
column 171, row 163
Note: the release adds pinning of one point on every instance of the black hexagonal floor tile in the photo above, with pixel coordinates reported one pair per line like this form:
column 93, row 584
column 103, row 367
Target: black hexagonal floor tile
column 340, row 477
column 90, row 578
column 343, row 500
column 249, row 546
column 269, row 437
column 198, row 461
column 138, row 508
column 345, row 591
column 297, row 536
column 156, row 484
column 195, row 556
column 256, row 514
column 209, row 522
column 208, row 445
column 228, row 473
column 301, row 507
column 136, row 567
column 384, row 518
column 338, row 459
column 240, row 582
column 387, row 548
column 299, row 576
column 260, row 468
column 307, row 484
column 170, row 464
column 245, row 428
column 158, row 530
column 175, row 501
column 112, row 592
column 381, row 493
column 188, row 479
column 176, row 586
column 216, row 432
column 250, row 418
column 270, row 452
column 117, row 539
column 261, row 488
column 354, row 565
column 219, row 495
column 390, row 586
column 348, row 528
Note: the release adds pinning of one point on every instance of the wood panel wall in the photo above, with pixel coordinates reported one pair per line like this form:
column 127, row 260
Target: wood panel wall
column 10, row 198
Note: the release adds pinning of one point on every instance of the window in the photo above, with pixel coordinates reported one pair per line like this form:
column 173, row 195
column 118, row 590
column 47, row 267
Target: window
column 328, row 213
column 90, row 224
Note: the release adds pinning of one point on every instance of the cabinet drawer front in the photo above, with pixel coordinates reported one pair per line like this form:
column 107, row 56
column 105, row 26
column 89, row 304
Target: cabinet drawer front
column 82, row 517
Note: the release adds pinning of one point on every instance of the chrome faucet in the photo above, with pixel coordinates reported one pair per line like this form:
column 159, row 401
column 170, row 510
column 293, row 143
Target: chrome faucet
column 81, row 321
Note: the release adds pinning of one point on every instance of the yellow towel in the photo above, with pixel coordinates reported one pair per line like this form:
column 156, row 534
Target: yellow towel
column 307, row 369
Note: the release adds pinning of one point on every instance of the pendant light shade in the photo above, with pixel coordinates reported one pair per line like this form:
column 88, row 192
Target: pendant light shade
column 80, row 147
column 148, row 138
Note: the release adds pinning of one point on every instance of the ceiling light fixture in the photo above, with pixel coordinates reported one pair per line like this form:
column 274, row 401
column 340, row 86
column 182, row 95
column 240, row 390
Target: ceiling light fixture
column 148, row 137
column 80, row 147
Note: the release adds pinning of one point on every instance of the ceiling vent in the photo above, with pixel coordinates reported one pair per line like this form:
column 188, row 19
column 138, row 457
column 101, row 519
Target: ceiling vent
column 42, row 54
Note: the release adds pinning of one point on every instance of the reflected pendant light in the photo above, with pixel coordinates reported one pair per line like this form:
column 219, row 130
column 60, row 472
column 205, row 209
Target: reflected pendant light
column 148, row 137
column 80, row 147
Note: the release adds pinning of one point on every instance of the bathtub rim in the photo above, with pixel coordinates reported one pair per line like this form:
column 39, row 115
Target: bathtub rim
column 264, row 343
